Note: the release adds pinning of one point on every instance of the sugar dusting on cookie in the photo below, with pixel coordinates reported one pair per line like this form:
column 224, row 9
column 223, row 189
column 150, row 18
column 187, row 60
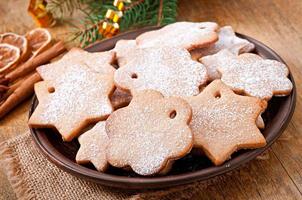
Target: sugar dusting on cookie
column 227, row 40
column 93, row 144
column 188, row 35
column 224, row 122
column 255, row 76
column 78, row 97
column 168, row 70
column 151, row 136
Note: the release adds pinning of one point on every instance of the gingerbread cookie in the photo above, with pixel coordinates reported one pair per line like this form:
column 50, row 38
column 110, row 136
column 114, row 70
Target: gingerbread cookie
column 150, row 133
column 165, row 69
column 211, row 63
column 224, row 122
column 260, row 122
column 254, row 76
column 188, row 35
column 125, row 50
column 93, row 144
column 120, row 99
column 227, row 40
column 78, row 96
column 100, row 62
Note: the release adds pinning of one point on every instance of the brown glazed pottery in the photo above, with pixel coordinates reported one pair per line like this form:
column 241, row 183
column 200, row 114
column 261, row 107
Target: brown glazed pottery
column 186, row 170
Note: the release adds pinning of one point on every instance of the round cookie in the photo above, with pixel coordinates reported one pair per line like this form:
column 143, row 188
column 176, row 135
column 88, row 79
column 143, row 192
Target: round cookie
column 188, row 35
column 168, row 70
column 150, row 133
column 224, row 122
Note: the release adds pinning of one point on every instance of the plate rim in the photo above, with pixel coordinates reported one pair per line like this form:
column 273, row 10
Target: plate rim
column 161, row 181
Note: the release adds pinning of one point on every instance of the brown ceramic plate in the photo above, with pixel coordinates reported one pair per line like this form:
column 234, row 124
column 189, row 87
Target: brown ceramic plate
column 188, row 169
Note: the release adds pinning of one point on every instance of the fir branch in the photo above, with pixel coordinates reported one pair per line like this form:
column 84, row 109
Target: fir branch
column 160, row 12
column 136, row 14
column 61, row 8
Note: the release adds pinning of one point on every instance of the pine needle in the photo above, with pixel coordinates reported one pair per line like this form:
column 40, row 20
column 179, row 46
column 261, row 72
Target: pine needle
column 136, row 14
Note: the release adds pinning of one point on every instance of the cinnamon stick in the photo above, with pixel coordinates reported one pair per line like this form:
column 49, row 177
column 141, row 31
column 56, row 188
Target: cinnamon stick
column 24, row 91
column 11, row 89
column 40, row 59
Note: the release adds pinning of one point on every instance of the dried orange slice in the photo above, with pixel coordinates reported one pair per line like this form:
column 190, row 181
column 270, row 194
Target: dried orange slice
column 9, row 55
column 39, row 40
column 17, row 41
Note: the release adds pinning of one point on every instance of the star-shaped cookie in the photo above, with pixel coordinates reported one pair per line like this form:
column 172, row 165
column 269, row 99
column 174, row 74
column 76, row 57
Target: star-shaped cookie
column 252, row 75
column 224, row 122
column 93, row 144
column 150, row 133
column 168, row 70
column 79, row 97
column 212, row 62
column 188, row 35
column 100, row 62
column 227, row 40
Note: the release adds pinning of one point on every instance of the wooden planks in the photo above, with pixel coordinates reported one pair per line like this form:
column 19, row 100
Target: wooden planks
column 277, row 24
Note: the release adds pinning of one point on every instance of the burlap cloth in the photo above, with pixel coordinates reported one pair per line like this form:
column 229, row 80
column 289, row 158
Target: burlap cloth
column 32, row 176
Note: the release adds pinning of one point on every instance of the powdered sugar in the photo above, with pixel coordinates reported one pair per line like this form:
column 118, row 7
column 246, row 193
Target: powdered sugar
column 227, row 40
column 255, row 76
column 80, row 96
column 166, row 69
column 188, row 35
column 93, row 147
column 150, row 136
column 224, row 123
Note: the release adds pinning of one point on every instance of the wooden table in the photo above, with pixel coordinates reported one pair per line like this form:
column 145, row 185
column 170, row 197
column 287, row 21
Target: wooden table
column 277, row 23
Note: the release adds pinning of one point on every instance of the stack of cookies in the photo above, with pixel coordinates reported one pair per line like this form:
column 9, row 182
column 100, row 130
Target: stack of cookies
column 187, row 85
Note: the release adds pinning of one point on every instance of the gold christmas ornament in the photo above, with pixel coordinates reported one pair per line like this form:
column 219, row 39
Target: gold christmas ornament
column 110, row 26
column 115, row 16
column 42, row 18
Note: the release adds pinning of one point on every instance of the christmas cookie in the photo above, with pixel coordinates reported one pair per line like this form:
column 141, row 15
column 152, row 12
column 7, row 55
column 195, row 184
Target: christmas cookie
column 188, row 35
column 125, row 51
column 165, row 69
column 254, row 76
column 227, row 40
column 78, row 96
column 100, row 62
column 224, row 122
column 150, row 133
column 211, row 63
column 93, row 144
column 120, row 98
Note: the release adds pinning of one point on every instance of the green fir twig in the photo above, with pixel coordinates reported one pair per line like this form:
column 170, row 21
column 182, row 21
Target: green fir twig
column 136, row 14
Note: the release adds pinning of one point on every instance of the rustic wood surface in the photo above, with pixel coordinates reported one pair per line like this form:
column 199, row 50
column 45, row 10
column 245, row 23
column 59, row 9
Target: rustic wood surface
column 275, row 175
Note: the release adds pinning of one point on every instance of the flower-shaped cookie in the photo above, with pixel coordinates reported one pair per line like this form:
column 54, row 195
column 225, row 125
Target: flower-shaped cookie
column 168, row 70
column 255, row 76
column 227, row 40
column 188, row 35
column 93, row 144
column 224, row 122
column 150, row 133
column 78, row 96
